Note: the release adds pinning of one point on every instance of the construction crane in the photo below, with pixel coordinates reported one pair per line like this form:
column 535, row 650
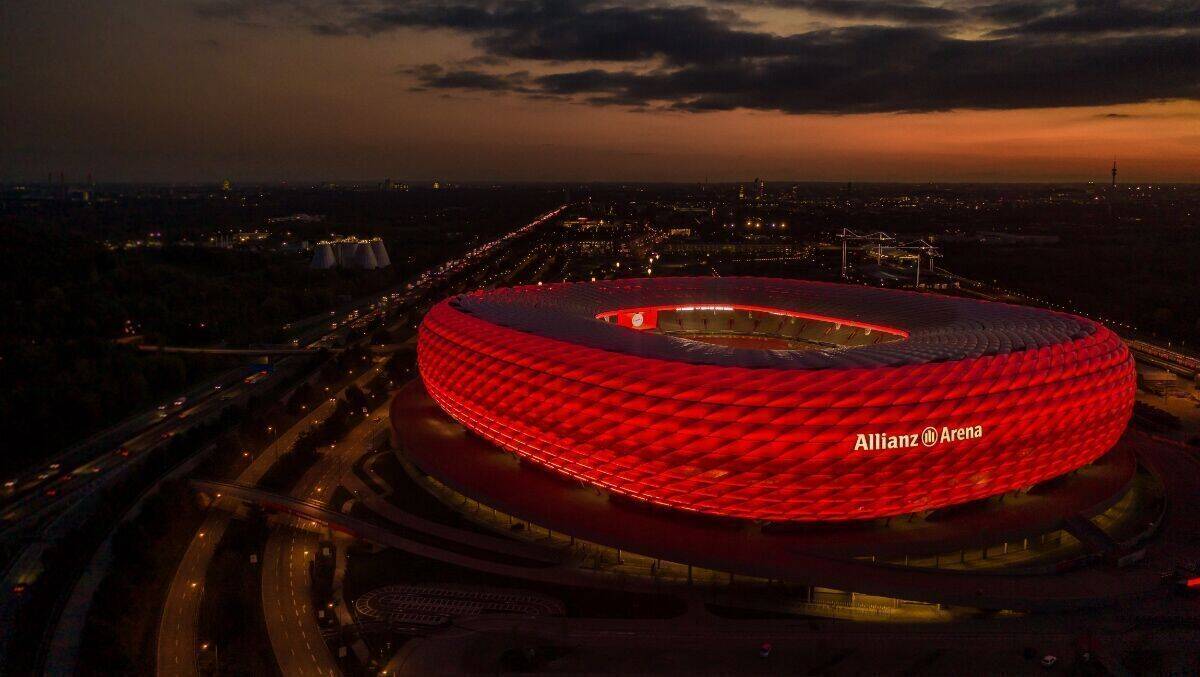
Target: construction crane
column 921, row 246
column 879, row 237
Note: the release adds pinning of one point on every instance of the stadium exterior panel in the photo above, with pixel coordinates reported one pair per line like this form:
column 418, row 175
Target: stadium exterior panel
column 886, row 402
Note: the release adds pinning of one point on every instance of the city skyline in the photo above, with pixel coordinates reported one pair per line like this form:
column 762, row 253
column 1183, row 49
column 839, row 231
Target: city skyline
column 590, row 91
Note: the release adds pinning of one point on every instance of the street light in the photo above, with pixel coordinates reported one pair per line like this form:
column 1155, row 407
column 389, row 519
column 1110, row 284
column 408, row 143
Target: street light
column 216, row 656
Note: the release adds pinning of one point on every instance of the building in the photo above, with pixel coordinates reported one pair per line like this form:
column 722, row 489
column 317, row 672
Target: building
column 849, row 437
column 732, row 248
column 350, row 252
column 862, row 403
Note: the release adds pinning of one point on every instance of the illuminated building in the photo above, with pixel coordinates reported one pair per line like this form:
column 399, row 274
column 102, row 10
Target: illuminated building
column 778, row 400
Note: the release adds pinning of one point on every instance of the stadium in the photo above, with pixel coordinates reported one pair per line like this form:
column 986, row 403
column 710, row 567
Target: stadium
column 777, row 401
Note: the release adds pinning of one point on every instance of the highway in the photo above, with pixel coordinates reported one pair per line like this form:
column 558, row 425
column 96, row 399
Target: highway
column 286, row 588
column 49, row 512
column 201, row 350
column 27, row 499
column 291, row 622
column 56, row 485
column 47, row 502
column 178, row 638
column 287, row 592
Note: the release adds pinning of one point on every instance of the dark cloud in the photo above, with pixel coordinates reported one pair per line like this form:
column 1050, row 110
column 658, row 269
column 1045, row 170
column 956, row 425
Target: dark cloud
column 1008, row 13
column 1110, row 16
column 261, row 11
column 482, row 60
column 433, row 76
column 901, row 12
column 875, row 69
column 700, row 58
column 578, row 30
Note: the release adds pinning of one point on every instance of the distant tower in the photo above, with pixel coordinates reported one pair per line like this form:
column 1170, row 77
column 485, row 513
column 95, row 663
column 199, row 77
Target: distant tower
column 1114, row 173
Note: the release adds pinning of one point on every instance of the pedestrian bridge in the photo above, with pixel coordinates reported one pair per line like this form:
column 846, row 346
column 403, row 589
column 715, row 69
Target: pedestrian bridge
column 431, row 539
column 303, row 508
column 260, row 350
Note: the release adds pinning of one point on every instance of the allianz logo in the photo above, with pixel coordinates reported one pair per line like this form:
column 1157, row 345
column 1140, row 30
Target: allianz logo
column 928, row 437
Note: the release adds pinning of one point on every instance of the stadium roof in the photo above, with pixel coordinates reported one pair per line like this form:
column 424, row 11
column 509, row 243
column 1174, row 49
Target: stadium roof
column 939, row 328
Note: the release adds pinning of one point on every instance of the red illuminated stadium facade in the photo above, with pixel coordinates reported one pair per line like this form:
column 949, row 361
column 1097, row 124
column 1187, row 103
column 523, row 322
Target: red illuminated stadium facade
column 778, row 400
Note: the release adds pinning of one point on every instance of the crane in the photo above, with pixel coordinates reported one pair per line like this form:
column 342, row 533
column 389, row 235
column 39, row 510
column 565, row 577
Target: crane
column 921, row 246
column 878, row 236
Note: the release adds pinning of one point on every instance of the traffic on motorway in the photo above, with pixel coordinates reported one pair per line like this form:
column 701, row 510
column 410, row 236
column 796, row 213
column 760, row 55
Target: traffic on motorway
column 27, row 499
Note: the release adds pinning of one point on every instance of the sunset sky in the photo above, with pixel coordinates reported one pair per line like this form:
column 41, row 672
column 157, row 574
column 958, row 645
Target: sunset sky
column 862, row 90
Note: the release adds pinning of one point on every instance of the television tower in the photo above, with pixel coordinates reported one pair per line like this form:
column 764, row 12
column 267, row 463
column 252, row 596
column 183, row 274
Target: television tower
column 1114, row 173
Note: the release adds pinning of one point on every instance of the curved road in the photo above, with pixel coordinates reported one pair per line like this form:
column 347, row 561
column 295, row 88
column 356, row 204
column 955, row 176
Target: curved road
column 178, row 638
column 286, row 588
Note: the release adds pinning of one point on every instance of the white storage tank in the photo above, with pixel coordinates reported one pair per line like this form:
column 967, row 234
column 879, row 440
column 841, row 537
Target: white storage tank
column 380, row 251
column 323, row 258
column 364, row 257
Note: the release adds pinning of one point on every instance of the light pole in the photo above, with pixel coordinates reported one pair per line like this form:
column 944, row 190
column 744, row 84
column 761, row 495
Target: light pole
column 216, row 656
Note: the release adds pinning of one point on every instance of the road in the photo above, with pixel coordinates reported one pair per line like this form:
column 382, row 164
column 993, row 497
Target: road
column 29, row 499
column 17, row 487
column 178, row 638
column 286, row 588
column 64, row 499
column 285, row 571
column 36, row 497
column 51, row 512
column 702, row 644
column 201, row 350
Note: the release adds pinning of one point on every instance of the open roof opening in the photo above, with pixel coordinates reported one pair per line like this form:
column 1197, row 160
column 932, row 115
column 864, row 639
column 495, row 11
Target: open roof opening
column 752, row 328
